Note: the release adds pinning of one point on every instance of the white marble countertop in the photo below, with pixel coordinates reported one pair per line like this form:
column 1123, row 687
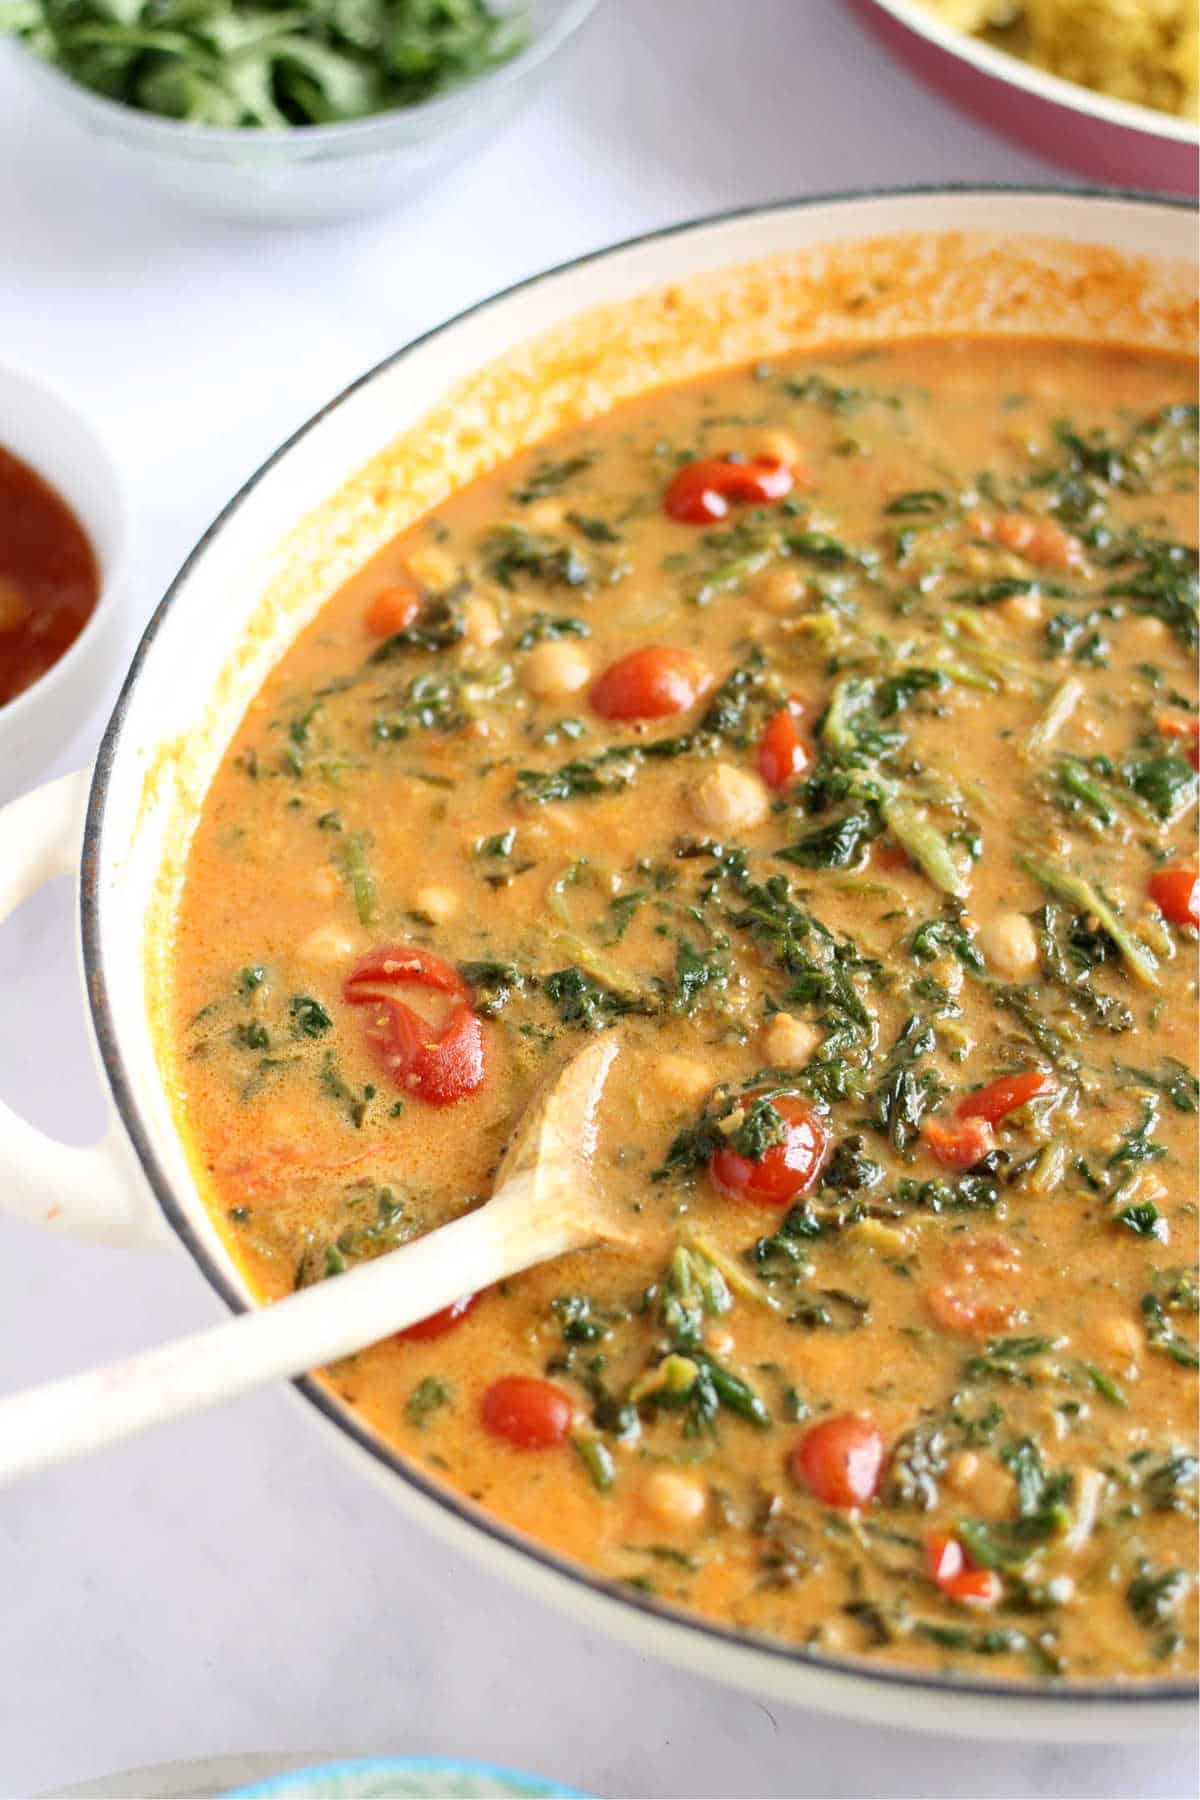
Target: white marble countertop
column 228, row 1585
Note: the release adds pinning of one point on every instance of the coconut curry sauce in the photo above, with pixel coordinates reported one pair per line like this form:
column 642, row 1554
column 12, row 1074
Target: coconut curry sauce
column 829, row 729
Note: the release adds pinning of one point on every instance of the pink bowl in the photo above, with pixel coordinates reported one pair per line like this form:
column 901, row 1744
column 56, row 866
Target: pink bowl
column 1110, row 140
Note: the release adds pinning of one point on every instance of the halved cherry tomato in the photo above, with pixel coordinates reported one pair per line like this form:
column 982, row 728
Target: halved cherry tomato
column 531, row 1414
column 782, row 752
column 1173, row 727
column 438, row 1323
column 973, row 1299
column 995, row 1101
column 1176, row 893
column 702, row 492
column 378, row 974
column 649, row 684
column 957, row 1576
column 393, row 609
column 788, row 1168
column 958, row 1144
column 440, row 1064
column 840, row 1460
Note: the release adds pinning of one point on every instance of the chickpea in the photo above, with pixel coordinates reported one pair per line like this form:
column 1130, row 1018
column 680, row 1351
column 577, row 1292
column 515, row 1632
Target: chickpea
column 329, row 946
column 1147, row 634
column 981, row 1480
column 676, row 1499
column 780, row 591
column 778, row 444
column 551, row 671
column 1009, row 945
column 544, row 515
column 432, row 566
column 788, row 1041
column 326, row 884
column 437, row 904
column 962, row 1471
column 1021, row 610
column 682, row 1078
column 481, row 623
column 730, row 799
column 1119, row 1337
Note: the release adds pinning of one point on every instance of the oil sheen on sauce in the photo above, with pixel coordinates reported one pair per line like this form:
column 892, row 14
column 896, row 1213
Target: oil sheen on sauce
column 49, row 581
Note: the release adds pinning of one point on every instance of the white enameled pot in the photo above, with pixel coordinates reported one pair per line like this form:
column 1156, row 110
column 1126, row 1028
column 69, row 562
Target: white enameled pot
column 554, row 350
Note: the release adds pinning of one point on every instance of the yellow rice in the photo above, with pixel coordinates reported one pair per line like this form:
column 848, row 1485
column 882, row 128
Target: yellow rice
column 1141, row 50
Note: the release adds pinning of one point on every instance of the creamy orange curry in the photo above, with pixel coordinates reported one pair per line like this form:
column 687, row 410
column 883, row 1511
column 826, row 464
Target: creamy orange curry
column 829, row 729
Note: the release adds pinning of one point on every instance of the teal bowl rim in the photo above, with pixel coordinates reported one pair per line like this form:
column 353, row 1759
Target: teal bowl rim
column 278, row 1785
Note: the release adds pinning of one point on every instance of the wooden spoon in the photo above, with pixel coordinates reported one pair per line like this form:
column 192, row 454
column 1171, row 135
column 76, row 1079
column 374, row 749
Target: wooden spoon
column 544, row 1203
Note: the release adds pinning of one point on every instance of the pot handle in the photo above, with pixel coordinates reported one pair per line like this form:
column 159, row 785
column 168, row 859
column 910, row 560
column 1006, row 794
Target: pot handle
column 97, row 1192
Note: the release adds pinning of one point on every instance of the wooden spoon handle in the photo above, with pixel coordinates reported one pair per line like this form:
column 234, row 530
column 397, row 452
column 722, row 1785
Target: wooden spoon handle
column 60, row 1420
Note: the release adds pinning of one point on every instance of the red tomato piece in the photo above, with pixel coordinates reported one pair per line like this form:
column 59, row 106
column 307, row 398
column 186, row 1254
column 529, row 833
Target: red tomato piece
column 1176, row 893
column 782, row 752
column 381, row 972
column 981, row 1289
column 438, row 1323
column 961, row 1144
column 957, row 1576
column 702, row 492
column 787, row 1170
column 840, row 1460
column 995, row 1101
column 649, row 684
column 530, row 1414
column 946, row 1557
column 439, row 1064
column 393, row 609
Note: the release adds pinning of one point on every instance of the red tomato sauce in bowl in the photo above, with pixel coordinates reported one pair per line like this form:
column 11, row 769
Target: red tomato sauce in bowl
column 49, row 579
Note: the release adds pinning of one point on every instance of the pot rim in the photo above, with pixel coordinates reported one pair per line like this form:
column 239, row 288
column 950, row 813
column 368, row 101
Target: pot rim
column 724, row 1638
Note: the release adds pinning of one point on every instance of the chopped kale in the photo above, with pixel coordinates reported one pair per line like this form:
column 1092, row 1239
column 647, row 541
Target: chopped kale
column 437, row 627
column 309, row 1017
column 492, row 985
column 428, row 1397
column 1165, row 1483
column 551, row 477
column 1161, row 1334
column 1152, row 1598
column 850, row 1170
column 1166, row 782
column 430, row 702
column 581, row 1320
column 584, row 1002
column 698, row 975
column 542, row 629
column 513, row 555
column 841, row 845
column 918, row 501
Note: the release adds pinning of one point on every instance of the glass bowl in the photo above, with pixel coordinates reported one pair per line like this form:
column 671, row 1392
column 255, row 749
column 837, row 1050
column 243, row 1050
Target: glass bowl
column 316, row 172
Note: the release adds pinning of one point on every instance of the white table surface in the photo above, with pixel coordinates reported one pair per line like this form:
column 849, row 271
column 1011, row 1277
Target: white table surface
column 228, row 1586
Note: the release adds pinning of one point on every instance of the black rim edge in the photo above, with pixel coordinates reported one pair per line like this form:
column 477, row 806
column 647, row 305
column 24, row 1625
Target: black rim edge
column 511, row 1543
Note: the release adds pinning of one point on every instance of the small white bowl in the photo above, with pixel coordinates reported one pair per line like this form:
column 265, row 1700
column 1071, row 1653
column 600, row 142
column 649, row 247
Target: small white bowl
column 44, row 430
